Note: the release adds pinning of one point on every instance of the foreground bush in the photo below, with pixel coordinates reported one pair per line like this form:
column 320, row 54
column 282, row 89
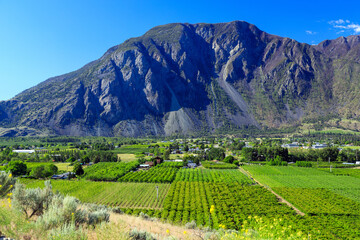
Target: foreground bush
column 141, row 235
column 33, row 201
column 66, row 232
column 6, row 183
column 17, row 168
column 62, row 215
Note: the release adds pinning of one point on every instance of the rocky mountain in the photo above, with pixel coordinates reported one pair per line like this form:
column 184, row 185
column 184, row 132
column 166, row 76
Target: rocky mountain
column 184, row 78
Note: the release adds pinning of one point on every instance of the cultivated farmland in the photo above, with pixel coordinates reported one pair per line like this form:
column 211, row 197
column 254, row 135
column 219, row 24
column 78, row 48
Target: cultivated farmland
column 124, row 195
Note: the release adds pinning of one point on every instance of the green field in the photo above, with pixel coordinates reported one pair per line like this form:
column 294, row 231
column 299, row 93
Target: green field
column 207, row 175
column 330, row 202
column 309, row 181
column 218, row 165
column 131, row 149
column 353, row 172
column 319, row 201
column 124, row 195
column 153, row 175
column 343, row 182
column 274, row 170
column 109, row 171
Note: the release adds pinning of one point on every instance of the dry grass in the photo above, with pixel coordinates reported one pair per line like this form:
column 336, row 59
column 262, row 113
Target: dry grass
column 64, row 166
column 176, row 156
column 127, row 157
column 120, row 226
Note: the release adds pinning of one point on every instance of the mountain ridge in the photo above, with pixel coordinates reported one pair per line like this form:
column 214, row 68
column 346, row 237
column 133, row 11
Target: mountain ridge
column 185, row 78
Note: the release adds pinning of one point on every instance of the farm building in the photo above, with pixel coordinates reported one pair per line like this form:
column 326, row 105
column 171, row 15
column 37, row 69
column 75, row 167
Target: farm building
column 63, row 176
column 23, row 151
column 144, row 166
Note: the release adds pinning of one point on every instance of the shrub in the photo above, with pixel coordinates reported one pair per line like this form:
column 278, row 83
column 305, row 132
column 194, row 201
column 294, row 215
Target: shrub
column 141, row 235
column 33, row 201
column 229, row 159
column 277, row 161
column 78, row 170
column 55, row 210
column 144, row 216
column 98, row 217
column 17, row 168
column 190, row 225
column 6, row 183
column 67, row 231
column 61, row 211
column 303, row 164
column 117, row 210
column 43, row 171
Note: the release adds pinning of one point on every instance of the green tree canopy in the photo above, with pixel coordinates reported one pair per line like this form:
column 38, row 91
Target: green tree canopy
column 17, row 168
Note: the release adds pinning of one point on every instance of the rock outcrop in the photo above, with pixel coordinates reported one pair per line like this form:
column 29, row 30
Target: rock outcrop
column 183, row 78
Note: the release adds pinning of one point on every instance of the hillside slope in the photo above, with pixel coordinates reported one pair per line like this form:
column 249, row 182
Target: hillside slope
column 184, row 78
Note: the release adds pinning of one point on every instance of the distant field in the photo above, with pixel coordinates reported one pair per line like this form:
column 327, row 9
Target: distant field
column 133, row 149
column 273, row 170
column 176, row 156
column 337, row 131
column 320, row 201
column 124, row 195
column 351, row 147
column 295, row 180
column 61, row 166
column 127, row 157
column 353, row 172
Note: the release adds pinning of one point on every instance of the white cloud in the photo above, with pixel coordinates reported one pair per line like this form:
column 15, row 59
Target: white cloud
column 340, row 21
column 345, row 25
column 310, row 32
column 355, row 27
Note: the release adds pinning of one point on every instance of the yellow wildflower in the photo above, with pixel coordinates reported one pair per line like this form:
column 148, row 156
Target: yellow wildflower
column 185, row 232
column 167, row 231
column 10, row 175
column 212, row 208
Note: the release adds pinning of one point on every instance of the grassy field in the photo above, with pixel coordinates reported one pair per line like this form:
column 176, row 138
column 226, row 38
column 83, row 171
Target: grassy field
column 176, row 156
column 133, row 149
column 124, row 195
column 127, row 157
column 344, row 182
column 353, row 172
column 61, row 166
column 320, row 201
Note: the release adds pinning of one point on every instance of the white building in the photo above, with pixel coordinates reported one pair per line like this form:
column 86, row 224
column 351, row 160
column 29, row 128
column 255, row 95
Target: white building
column 24, row 151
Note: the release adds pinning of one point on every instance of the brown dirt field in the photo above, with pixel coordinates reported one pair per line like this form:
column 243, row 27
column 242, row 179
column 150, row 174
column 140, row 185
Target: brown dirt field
column 120, row 225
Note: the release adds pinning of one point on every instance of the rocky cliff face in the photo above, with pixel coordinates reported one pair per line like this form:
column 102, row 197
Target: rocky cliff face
column 181, row 78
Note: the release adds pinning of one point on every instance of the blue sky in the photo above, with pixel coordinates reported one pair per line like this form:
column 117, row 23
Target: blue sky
column 45, row 38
